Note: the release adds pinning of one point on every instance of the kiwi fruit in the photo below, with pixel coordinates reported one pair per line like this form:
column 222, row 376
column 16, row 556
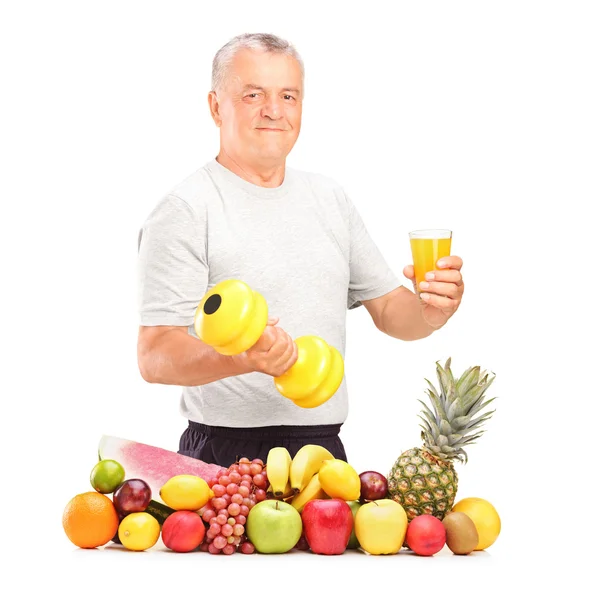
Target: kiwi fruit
column 461, row 533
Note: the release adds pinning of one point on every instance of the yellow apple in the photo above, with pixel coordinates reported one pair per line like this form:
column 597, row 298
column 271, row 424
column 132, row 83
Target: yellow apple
column 380, row 526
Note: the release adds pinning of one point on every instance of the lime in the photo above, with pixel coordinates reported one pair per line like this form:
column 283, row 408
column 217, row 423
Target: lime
column 107, row 476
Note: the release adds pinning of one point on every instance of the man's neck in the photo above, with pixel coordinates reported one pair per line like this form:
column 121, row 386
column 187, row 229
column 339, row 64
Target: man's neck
column 261, row 175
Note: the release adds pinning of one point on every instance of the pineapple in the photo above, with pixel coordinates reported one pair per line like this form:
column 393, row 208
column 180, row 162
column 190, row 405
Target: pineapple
column 423, row 480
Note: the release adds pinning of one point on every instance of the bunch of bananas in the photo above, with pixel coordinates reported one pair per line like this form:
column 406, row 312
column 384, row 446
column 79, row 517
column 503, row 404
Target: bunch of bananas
column 312, row 473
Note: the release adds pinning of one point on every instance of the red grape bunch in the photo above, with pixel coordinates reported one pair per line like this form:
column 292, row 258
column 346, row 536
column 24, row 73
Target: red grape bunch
column 236, row 490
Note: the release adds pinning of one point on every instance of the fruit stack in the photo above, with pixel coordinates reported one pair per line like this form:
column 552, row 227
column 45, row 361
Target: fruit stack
column 91, row 519
column 189, row 512
column 414, row 506
column 331, row 499
column 311, row 501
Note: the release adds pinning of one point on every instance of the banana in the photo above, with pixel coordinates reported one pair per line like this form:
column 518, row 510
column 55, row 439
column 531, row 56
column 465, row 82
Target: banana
column 313, row 490
column 306, row 464
column 278, row 469
column 287, row 493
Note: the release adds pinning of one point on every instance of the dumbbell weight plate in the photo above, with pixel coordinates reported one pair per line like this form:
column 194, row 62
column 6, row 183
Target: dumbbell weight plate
column 309, row 375
column 329, row 386
column 231, row 317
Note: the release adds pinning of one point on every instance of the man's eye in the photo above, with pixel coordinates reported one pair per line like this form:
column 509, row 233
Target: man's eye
column 288, row 97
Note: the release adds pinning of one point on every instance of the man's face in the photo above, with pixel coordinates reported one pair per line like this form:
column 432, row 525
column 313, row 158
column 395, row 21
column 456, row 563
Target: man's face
column 261, row 106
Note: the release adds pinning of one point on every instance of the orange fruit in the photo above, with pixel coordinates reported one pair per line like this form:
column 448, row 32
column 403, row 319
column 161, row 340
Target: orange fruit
column 90, row 520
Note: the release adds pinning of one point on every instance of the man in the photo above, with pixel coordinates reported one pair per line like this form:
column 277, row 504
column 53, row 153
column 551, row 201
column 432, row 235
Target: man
column 293, row 236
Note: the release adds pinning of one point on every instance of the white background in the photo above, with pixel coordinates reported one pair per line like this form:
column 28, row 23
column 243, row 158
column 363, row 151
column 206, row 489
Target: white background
column 482, row 117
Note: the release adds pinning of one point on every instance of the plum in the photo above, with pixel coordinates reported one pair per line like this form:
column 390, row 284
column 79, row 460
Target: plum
column 132, row 496
column 373, row 486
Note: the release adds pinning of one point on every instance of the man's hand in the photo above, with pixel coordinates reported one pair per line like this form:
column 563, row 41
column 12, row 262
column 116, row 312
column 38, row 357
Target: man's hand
column 274, row 353
column 442, row 292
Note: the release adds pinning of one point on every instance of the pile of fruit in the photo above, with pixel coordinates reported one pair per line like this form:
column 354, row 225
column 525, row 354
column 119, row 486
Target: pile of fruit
column 311, row 501
column 188, row 512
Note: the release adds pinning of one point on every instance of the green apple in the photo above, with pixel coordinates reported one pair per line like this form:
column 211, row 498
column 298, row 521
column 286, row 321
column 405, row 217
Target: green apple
column 273, row 526
column 353, row 542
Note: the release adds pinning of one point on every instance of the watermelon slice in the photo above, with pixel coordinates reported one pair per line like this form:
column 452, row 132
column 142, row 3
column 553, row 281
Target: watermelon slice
column 153, row 465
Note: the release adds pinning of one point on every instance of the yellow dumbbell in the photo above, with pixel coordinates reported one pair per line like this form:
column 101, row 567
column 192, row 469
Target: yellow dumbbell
column 231, row 318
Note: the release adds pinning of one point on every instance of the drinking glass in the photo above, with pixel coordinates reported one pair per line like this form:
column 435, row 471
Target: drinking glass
column 428, row 246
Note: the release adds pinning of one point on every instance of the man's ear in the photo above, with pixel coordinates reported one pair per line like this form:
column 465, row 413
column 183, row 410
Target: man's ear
column 213, row 104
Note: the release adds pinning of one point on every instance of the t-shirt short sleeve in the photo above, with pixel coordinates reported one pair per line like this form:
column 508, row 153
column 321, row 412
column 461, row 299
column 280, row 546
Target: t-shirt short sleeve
column 172, row 264
column 370, row 274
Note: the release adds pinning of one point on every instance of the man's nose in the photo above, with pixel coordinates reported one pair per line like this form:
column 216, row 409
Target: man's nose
column 272, row 108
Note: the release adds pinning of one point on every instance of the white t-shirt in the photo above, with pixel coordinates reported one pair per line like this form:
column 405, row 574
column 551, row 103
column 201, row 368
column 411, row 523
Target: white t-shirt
column 302, row 245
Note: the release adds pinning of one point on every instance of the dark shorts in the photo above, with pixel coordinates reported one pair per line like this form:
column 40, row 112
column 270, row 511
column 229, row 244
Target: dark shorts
column 225, row 446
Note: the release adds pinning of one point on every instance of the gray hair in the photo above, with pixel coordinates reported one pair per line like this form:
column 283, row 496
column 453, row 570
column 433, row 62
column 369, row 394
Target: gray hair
column 265, row 42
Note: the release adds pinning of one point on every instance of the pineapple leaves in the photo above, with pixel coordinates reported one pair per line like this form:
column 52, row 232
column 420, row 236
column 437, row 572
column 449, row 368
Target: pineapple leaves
column 447, row 383
column 442, row 440
column 457, row 408
column 426, row 426
column 477, row 408
column 454, row 439
column 432, row 388
column 462, row 456
column 427, row 412
column 459, row 423
column 437, row 405
column 475, row 395
column 469, row 378
column 451, row 411
column 471, row 439
column 477, row 422
column 445, row 428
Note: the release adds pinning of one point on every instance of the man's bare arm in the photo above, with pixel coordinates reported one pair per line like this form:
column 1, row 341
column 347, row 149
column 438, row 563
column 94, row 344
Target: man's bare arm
column 407, row 316
column 169, row 355
column 399, row 314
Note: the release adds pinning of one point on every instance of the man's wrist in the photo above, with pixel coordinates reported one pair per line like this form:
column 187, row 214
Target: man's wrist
column 240, row 364
column 432, row 327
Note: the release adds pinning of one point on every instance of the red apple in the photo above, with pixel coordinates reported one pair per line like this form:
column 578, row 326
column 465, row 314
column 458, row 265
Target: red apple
column 327, row 525
column 425, row 535
column 373, row 486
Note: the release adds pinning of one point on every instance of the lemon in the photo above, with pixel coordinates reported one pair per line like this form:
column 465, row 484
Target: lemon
column 339, row 480
column 484, row 516
column 139, row 531
column 186, row 492
column 107, row 476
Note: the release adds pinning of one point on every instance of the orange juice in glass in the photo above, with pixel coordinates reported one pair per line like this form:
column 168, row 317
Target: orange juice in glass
column 428, row 246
